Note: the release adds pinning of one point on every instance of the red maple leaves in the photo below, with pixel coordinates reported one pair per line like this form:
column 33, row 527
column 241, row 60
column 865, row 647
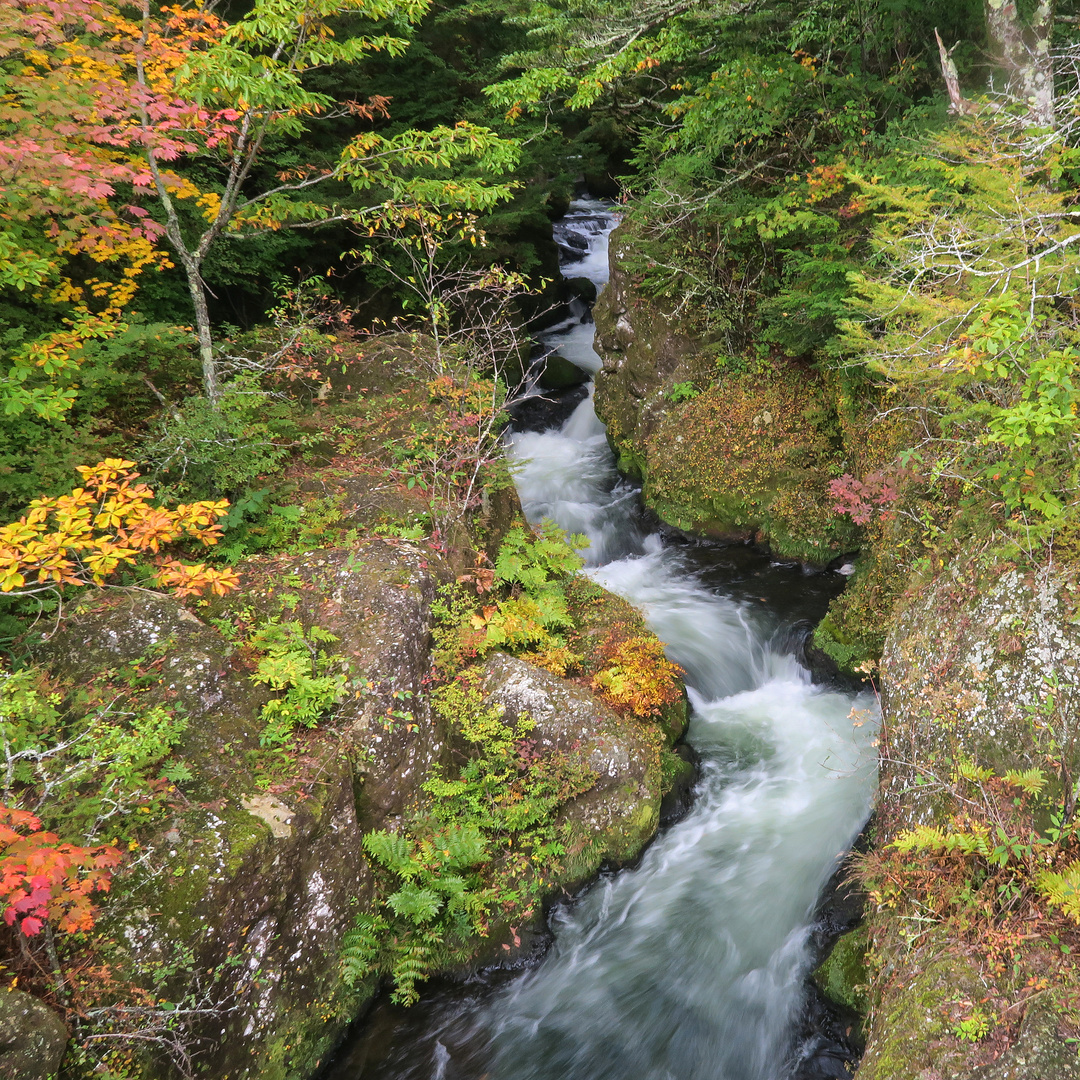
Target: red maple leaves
column 42, row 878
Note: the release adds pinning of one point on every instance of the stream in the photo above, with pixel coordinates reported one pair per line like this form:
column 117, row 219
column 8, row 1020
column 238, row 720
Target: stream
column 692, row 964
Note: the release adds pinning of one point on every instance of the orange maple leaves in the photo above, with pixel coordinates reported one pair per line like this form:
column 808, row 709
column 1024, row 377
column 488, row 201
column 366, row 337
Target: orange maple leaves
column 83, row 537
column 42, row 878
column 637, row 676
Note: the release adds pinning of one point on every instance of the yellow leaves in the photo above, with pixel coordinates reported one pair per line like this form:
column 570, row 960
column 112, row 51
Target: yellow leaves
column 210, row 201
column 87, row 535
column 639, row 677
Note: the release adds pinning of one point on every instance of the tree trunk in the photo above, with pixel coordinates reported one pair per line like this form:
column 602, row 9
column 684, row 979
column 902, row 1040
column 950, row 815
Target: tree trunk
column 1024, row 53
column 202, row 329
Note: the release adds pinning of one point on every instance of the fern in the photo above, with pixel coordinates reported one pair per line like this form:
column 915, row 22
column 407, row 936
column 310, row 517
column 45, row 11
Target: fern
column 393, row 851
column 927, row 838
column 1031, row 781
column 415, row 904
column 966, row 769
column 1062, row 889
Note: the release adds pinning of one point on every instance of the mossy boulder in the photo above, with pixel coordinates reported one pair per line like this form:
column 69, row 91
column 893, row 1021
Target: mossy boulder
column 973, row 654
column 842, row 976
column 614, row 819
column 558, row 373
column 936, row 1017
column 726, row 448
column 32, row 1038
column 247, row 893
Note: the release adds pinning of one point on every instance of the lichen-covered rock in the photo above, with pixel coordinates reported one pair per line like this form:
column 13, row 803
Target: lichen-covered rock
column 249, row 891
column 970, row 659
column 619, row 814
column 32, row 1038
column 978, row 667
column 197, row 674
column 918, row 1023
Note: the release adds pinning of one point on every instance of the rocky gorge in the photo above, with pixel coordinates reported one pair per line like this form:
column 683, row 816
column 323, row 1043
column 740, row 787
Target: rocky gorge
column 244, row 901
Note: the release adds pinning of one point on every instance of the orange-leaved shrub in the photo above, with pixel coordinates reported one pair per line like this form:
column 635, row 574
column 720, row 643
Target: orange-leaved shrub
column 637, row 676
column 43, row 879
column 110, row 522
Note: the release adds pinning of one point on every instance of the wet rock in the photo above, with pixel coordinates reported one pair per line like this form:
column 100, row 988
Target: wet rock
column 580, row 288
column 560, row 374
column 679, row 796
column 32, row 1038
column 542, row 412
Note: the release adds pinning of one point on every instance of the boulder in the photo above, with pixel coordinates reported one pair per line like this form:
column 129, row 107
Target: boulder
column 560, row 374
column 614, row 819
column 32, row 1038
column 251, row 891
column 749, row 457
column 969, row 658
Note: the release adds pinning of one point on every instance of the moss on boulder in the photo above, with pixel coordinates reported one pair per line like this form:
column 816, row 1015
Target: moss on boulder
column 32, row 1038
column 842, row 976
column 749, row 457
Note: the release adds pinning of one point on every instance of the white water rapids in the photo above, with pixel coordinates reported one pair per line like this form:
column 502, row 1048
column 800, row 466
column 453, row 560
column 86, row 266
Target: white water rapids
column 691, row 965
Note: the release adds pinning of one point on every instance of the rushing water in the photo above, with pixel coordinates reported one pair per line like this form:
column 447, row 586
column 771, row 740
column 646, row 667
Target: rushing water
column 690, row 966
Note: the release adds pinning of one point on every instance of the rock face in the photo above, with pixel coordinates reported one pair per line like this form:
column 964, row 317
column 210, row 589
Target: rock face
column 727, row 448
column 251, row 890
column 261, row 887
column 619, row 814
column 970, row 660
column 32, row 1038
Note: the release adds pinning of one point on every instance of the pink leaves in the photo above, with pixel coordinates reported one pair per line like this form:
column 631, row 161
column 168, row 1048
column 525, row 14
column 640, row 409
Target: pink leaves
column 861, row 499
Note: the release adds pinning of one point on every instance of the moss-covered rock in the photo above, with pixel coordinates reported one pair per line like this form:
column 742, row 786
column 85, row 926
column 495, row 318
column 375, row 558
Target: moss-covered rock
column 248, row 893
column 842, row 976
column 32, row 1038
column 241, row 900
column 736, row 452
column 978, row 666
column 619, row 814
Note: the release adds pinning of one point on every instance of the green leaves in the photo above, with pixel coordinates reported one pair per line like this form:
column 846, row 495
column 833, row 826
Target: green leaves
column 299, row 670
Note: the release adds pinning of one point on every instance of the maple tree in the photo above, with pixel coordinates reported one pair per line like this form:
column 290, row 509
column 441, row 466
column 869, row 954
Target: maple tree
column 43, row 879
column 83, row 537
column 94, row 102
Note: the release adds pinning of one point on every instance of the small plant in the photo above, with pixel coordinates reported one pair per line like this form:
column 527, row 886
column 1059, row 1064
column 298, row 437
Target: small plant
column 91, row 768
column 682, row 391
column 973, row 1027
column 106, row 525
column 299, row 669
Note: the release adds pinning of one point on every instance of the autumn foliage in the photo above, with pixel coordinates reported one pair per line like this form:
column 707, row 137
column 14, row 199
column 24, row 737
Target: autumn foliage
column 83, row 537
column 638, row 677
column 43, row 879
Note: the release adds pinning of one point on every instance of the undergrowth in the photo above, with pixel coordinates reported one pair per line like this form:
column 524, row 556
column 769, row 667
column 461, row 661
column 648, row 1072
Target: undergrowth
column 481, row 851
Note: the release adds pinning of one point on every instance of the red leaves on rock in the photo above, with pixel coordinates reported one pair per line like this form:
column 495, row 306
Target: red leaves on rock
column 861, row 498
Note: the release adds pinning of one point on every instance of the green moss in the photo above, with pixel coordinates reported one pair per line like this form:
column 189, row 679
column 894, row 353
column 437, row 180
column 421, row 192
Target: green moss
column 673, row 769
column 843, row 976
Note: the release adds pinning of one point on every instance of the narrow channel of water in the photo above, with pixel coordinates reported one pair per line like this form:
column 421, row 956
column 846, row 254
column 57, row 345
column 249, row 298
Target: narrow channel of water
column 691, row 965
